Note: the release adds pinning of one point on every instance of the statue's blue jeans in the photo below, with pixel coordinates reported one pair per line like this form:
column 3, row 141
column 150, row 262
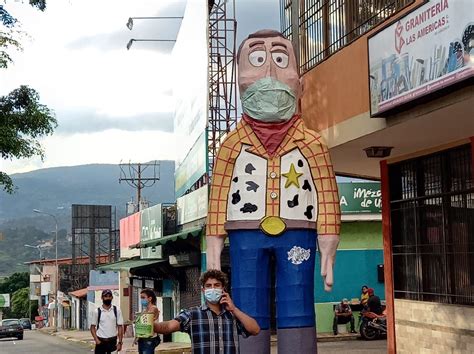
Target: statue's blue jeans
column 294, row 252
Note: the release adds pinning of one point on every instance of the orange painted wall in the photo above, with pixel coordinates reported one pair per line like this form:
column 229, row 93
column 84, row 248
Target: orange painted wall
column 338, row 89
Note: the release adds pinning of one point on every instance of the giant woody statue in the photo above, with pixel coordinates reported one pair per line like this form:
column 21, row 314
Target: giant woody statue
column 274, row 193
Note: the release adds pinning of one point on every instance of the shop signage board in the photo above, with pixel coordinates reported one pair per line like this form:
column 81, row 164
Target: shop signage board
column 429, row 49
column 193, row 206
column 129, row 235
column 356, row 198
column 193, row 167
column 151, row 228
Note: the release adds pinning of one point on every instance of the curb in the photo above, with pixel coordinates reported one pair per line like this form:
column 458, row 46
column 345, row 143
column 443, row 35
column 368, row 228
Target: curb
column 70, row 339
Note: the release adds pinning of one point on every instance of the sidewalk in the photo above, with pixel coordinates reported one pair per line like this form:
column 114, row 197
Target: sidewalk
column 85, row 337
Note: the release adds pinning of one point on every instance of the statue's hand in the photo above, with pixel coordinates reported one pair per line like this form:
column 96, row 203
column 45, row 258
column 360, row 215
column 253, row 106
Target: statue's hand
column 215, row 245
column 327, row 245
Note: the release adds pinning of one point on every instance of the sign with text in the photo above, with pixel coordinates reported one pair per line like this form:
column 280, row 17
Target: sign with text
column 4, row 300
column 151, row 228
column 193, row 166
column 356, row 198
column 427, row 50
column 193, row 206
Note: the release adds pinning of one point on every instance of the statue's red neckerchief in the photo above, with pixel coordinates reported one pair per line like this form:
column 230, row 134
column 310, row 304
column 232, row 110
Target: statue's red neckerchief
column 270, row 134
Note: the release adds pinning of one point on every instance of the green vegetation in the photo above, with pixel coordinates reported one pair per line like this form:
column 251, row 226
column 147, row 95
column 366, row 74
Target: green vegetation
column 13, row 253
column 23, row 119
column 14, row 282
column 18, row 286
column 19, row 303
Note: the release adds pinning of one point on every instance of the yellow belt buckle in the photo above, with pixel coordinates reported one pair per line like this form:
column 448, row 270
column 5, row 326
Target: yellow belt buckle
column 273, row 225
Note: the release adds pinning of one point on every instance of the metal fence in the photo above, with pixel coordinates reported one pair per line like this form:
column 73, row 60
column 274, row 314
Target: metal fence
column 325, row 26
column 432, row 220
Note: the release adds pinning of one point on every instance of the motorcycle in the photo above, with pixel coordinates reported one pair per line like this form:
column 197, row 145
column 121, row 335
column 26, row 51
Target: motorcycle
column 373, row 326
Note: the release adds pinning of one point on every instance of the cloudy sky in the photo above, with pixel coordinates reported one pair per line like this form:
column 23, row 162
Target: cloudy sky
column 112, row 105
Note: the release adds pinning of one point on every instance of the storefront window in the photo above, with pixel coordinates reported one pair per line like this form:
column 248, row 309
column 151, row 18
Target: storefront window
column 432, row 218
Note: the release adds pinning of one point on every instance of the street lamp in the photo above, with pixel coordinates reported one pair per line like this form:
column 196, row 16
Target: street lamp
column 130, row 42
column 130, row 19
column 57, row 268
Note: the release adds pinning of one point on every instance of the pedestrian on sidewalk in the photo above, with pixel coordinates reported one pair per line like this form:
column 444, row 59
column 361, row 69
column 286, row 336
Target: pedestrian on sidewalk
column 215, row 326
column 107, row 325
column 147, row 345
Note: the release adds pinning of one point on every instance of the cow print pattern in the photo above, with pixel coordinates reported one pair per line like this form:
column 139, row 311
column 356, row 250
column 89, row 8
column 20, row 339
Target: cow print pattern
column 294, row 202
column 236, row 197
column 249, row 208
column 249, row 168
column 309, row 212
column 252, row 186
column 306, row 185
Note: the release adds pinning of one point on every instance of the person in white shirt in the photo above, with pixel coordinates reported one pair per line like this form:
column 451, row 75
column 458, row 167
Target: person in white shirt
column 107, row 326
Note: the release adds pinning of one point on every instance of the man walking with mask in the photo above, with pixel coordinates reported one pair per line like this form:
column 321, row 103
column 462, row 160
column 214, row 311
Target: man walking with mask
column 274, row 194
column 107, row 326
column 213, row 327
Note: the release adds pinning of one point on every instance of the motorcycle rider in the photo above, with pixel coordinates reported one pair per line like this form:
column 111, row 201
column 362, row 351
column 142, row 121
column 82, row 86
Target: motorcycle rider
column 373, row 304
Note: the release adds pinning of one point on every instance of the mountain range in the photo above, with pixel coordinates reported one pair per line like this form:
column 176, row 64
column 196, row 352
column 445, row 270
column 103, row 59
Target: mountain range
column 54, row 190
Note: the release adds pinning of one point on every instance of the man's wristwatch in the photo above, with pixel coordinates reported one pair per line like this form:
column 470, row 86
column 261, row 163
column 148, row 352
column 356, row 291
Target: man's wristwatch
column 119, row 342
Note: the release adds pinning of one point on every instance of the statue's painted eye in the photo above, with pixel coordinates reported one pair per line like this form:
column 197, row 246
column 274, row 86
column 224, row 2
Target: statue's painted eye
column 258, row 57
column 280, row 59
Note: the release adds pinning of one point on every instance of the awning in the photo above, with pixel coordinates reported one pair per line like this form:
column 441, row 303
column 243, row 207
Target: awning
column 129, row 264
column 193, row 232
column 79, row 293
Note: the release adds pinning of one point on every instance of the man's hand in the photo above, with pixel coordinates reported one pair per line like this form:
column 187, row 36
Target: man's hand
column 215, row 245
column 327, row 245
column 119, row 347
column 97, row 341
column 227, row 302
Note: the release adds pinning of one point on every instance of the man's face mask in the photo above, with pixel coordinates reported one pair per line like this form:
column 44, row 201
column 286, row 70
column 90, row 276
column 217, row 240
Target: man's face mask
column 107, row 302
column 269, row 100
column 213, row 295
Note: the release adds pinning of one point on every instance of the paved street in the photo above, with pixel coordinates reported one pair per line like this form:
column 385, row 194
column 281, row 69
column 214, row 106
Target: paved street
column 40, row 343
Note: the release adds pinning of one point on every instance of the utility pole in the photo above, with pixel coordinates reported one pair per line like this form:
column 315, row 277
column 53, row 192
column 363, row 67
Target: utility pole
column 139, row 176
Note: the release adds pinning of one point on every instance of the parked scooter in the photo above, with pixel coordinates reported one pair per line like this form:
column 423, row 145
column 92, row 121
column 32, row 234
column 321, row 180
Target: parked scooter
column 373, row 326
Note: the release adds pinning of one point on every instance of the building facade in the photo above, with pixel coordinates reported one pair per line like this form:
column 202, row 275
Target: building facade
column 389, row 85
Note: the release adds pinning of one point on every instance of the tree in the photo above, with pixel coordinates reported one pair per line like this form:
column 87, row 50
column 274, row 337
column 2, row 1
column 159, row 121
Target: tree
column 19, row 304
column 23, row 119
column 14, row 282
column 16, row 285
column 9, row 35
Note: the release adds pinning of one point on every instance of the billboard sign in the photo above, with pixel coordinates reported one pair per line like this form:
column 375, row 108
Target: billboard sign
column 4, row 300
column 427, row 50
column 151, row 228
column 190, row 89
column 129, row 235
column 193, row 166
column 356, row 198
column 193, row 206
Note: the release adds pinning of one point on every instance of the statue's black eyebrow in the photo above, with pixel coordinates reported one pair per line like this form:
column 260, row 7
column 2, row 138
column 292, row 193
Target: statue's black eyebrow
column 254, row 43
column 279, row 44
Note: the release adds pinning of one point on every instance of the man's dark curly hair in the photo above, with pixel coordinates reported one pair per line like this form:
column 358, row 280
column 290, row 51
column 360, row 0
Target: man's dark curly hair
column 214, row 274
